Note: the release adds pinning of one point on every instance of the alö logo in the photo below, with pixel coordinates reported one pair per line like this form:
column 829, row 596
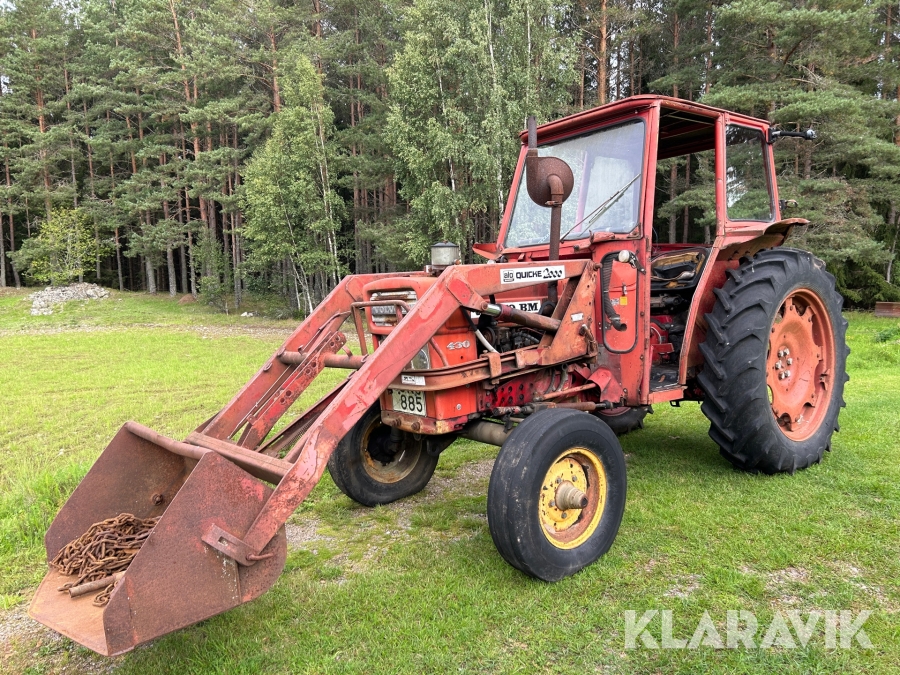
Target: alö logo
column 791, row 629
column 519, row 274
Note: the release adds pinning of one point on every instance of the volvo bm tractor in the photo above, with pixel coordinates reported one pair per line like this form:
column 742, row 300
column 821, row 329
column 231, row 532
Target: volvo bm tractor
column 584, row 313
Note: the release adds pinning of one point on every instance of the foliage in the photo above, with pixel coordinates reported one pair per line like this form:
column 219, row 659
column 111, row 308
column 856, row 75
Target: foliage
column 468, row 75
column 62, row 250
column 292, row 210
column 152, row 116
column 889, row 334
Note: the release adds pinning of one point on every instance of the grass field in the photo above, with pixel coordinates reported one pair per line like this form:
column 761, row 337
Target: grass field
column 417, row 587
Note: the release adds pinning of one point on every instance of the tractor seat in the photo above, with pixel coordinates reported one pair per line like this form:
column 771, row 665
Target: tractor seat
column 677, row 269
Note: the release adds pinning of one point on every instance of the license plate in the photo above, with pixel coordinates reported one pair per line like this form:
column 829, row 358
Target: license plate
column 408, row 401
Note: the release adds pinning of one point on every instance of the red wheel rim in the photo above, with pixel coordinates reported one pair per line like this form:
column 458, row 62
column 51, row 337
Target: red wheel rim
column 800, row 364
column 615, row 412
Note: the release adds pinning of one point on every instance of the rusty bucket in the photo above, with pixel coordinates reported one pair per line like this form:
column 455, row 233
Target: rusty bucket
column 175, row 579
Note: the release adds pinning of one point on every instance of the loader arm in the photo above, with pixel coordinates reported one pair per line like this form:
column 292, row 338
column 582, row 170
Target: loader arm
column 464, row 286
column 262, row 401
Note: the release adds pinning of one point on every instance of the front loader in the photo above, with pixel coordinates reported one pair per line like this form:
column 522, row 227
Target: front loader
column 579, row 322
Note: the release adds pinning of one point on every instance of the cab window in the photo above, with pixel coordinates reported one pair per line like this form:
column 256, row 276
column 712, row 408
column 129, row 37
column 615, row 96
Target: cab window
column 746, row 178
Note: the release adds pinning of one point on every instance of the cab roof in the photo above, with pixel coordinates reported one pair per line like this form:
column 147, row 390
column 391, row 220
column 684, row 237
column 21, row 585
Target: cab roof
column 677, row 117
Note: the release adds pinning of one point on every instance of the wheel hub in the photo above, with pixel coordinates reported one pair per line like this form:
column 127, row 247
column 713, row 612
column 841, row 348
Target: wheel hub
column 800, row 363
column 572, row 496
column 384, row 460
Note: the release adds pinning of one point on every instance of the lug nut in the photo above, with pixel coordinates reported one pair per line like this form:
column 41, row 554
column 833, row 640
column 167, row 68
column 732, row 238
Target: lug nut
column 787, row 373
column 787, row 352
column 778, row 365
column 780, row 353
column 790, row 361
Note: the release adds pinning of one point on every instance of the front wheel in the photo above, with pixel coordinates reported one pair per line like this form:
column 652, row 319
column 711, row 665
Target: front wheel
column 375, row 464
column 775, row 362
column 557, row 493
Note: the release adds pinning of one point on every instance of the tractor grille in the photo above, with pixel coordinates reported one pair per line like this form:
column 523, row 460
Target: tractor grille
column 386, row 315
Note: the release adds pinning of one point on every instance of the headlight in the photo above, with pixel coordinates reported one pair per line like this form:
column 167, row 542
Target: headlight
column 421, row 361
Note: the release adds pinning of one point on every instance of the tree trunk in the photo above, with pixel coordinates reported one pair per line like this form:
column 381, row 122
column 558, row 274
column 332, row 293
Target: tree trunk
column 119, row 261
column 673, row 219
column 603, row 56
column 131, row 274
column 71, row 142
column 236, row 260
column 236, row 222
column 707, row 68
column 193, row 265
column 2, row 254
column 676, row 28
column 894, row 220
column 183, row 259
column 170, row 264
column 151, row 276
column 12, row 230
column 189, row 99
column 687, row 186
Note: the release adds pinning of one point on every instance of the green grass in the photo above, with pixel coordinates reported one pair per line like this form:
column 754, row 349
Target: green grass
column 417, row 586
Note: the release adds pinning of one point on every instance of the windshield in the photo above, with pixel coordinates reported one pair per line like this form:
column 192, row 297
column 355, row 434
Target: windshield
column 607, row 168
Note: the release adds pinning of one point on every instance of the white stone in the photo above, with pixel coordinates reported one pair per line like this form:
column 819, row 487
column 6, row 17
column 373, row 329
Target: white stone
column 42, row 302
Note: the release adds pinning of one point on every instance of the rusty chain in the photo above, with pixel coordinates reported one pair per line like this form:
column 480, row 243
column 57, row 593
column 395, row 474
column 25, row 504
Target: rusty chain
column 106, row 548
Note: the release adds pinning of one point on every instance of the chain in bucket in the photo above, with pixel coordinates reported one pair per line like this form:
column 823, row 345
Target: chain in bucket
column 100, row 556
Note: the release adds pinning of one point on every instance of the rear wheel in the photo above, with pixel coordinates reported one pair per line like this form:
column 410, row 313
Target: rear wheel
column 557, row 493
column 375, row 464
column 775, row 362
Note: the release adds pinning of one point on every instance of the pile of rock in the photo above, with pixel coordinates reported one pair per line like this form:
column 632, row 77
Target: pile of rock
column 42, row 302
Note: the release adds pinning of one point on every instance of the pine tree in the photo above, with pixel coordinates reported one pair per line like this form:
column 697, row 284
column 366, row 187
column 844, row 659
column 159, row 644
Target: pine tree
column 461, row 88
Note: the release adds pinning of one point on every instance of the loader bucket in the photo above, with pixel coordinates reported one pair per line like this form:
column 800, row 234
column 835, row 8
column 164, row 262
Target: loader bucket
column 175, row 579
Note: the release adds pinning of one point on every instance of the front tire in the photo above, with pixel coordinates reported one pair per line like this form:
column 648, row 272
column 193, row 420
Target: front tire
column 557, row 493
column 775, row 362
column 372, row 469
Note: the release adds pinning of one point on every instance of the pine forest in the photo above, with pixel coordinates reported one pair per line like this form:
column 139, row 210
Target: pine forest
column 237, row 148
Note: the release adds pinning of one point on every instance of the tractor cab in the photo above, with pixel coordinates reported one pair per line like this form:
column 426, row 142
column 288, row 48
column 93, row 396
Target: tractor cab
column 688, row 189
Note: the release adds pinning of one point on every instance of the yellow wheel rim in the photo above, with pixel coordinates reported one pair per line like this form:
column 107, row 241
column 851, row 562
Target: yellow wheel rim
column 564, row 522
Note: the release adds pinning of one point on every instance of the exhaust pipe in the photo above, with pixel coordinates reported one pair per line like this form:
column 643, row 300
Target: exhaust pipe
column 550, row 182
column 486, row 432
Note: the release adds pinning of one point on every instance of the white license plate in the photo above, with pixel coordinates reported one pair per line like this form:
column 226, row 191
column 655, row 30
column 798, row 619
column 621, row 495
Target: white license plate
column 408, row 401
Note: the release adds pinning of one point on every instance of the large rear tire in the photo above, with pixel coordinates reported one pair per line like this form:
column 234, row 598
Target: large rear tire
column 557, row 493
column 371, row 469
column 775, row 362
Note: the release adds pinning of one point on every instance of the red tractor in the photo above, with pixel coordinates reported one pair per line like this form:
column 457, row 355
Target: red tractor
column 579, row 321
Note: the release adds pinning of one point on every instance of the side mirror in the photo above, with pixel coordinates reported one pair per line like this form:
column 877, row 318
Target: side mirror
column 808, row 135
column 788, row 204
